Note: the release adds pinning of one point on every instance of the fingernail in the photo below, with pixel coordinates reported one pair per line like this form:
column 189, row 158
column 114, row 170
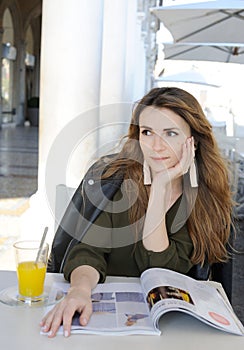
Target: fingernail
column 50, row 333
column 66, row 334
column 84, row 321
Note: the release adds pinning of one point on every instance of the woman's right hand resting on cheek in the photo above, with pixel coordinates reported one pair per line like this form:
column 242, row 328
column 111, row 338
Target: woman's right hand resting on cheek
column 83, row 280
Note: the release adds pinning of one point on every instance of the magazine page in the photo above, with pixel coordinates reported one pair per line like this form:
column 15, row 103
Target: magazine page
column 118, row 308
column 167, row 290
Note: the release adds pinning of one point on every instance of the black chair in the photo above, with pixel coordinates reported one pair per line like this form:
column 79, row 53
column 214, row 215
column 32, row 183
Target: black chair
column 223, row 272
column 218, row 272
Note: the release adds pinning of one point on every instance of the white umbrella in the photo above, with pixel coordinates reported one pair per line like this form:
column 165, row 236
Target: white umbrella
column 228, row 52
column 188, row 76
column 212, row 30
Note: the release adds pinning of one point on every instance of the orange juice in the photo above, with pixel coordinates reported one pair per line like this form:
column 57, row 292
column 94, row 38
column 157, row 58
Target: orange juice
column 31, row 276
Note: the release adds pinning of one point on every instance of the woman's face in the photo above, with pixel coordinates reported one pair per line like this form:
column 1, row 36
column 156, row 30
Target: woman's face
column 162, row 135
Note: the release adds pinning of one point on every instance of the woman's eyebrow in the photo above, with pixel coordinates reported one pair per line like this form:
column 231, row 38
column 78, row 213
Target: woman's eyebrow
column 172, row 128
column 145, row 127
column 166, row 129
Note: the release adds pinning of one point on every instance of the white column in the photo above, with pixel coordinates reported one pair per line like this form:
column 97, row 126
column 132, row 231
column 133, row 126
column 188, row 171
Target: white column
column 140, row 65
column 70, row 68
column 69, row 94
column 120, row 76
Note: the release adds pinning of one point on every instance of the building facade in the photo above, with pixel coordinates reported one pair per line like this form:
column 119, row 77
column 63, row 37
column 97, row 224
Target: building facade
column 20, row 39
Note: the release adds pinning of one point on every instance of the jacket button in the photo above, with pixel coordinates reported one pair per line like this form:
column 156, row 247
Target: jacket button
column 90, row 182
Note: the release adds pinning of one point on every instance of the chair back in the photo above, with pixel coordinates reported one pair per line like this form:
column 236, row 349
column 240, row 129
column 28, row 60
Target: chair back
column 63, row 196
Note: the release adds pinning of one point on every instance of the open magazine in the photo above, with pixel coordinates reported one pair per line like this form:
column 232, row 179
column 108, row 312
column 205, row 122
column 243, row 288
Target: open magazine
column 135, row 308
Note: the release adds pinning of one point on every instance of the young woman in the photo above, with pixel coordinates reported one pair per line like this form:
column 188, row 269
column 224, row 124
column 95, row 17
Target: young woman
column 172, row 208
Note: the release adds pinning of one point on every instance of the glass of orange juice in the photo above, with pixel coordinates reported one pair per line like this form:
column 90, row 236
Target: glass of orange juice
column 31, row 265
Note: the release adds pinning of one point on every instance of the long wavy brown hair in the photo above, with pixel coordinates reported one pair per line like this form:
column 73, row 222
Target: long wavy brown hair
column 209, row 222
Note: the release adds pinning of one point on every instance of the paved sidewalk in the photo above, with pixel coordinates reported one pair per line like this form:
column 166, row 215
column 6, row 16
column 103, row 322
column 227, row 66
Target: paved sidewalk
column 18, row 161
column 18, row 181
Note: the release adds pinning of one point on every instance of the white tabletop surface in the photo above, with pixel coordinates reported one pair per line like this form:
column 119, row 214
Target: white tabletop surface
column 19, row 330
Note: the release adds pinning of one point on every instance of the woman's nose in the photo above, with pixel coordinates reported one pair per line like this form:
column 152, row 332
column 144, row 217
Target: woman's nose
column 158, row 143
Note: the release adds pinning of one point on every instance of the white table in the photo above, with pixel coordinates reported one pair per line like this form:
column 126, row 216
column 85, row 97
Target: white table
column 19, row 330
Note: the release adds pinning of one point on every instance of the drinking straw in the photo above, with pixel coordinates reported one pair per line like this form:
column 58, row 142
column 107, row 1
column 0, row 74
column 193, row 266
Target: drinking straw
column 41, row 244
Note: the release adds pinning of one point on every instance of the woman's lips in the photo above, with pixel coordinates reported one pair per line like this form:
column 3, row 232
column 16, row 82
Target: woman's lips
column 159, row 158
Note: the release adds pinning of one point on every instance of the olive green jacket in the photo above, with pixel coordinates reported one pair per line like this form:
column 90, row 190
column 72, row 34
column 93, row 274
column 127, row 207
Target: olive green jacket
column 109, row 244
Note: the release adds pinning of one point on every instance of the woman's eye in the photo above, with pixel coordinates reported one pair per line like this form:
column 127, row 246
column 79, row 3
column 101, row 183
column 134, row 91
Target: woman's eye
column 171, row 133
column 146, row 132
